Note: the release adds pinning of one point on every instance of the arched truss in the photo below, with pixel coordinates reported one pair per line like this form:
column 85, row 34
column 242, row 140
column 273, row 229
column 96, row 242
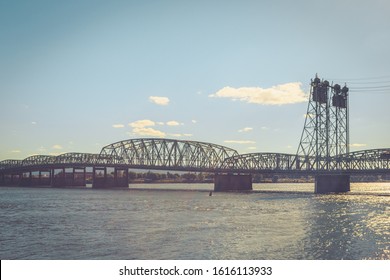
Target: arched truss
column 38, row 160
column 9, row 163
column 264, row 161
column 370, row 160
column 168, row 154
column 376, row 159
column 77, row 158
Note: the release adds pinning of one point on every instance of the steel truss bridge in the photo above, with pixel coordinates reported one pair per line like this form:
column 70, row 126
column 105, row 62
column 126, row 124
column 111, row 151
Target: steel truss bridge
column 193, row 156
column 323, row 149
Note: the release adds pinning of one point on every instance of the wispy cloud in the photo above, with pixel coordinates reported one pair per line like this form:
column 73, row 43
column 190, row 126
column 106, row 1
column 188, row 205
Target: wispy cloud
column 57, row 147
column 357, row 145
column 142, row 123
column 288, row 93
column 118, row 126
column 148, row 131
column 159, row 100
column 142, row 128
column 33, row 123
column 239, row 141
column 246, row 129
column 173, row 123
column 16, row 151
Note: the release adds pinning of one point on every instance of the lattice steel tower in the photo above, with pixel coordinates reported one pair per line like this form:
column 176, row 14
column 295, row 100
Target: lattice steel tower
column 325, row 134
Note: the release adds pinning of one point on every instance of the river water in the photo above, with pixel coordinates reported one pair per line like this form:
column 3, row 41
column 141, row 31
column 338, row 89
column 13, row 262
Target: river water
column 179, row 221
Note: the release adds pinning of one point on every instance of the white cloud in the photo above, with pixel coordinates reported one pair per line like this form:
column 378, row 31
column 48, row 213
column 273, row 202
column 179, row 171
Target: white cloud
column 57, row 147
column 142, row 123
column 118, row 126
column 288, row 93
column 16, row 151
column 356, row 145
column 187, row 134
column 173, row 123
column 141, row 128
column 240, row 141
column 159, row 100
column 194, row 121
column 148, row 131
column 246, row 129
column 33, row 123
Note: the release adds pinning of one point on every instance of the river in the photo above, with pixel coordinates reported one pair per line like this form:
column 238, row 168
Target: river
column 182, row 221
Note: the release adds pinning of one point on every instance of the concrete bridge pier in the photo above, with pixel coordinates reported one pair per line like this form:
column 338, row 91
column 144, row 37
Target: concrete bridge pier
column 58, row 177
column 35, row 178
column 332, row 184
column 110, row 177
column 122, row 177
column 232, row 182
column 99, row 176
column 68, row 177
column 9, row 179
column 79, row 177
column 26, row 179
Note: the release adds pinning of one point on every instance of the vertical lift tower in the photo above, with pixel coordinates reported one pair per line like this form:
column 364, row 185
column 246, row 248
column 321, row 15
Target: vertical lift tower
column 325, row 137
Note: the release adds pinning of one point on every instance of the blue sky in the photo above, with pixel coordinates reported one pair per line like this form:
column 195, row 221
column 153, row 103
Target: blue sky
column 78, row 75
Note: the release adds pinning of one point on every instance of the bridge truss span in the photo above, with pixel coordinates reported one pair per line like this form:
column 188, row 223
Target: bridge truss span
column 265, row 162
column 374, row 160
column 159, row 153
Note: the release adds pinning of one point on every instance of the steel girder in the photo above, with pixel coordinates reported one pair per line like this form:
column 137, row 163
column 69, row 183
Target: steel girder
column 265, row 161
column 77, row 158
column 171, row 154
column 370, row 160
column 38, row 160
column 10, row 163
column 168, row 154
column 366, row 160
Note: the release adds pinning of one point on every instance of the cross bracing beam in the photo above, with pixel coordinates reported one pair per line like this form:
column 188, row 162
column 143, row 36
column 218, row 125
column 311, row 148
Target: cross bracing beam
column 79, row 158
column 168, row 154
column 266, row 161
column 9, row 163
column 374, row 159
column 38, row 160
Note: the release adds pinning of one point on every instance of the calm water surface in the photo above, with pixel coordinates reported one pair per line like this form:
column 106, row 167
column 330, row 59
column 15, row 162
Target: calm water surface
column 149, row 223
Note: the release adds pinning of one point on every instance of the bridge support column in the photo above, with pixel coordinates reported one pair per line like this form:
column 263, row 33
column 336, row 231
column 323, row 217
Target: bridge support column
column 332, row 183
column 44, row 178
column 58, row 177
column 2, row 179
column 110, row 177
column 232, row 182
column 99, row 177
column 121, row 177
column 26, row 179
column 15, row 179
column 79, row 177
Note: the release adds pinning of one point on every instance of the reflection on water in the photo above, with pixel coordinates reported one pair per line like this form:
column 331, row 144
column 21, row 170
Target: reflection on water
column 154, row 224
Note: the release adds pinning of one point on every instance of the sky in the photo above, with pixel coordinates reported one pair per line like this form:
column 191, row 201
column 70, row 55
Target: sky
column 78, row 75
